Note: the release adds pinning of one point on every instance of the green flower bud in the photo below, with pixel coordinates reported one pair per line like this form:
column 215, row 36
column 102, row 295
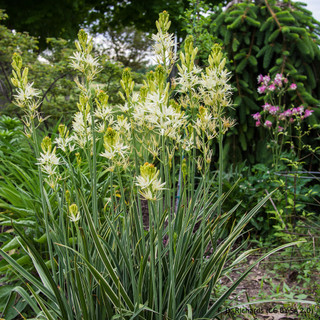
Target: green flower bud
column 46, row 144
column 25, row 76
column 160, row 74
column 83, row 38
column 110, row 137
column 163, row 24
column 16, row 62
column 148, row 170
column 74, row 212
column 120, row 118
column 188, row 44
column 202, row 111
column 215, row 56
column 143, row 92
column 15, row 82
column 62, row 130
column 78, row 158
column 150, row 76
column 102, row 97
column 68, row 197
column 184, row 169
column 126, row 75
column 121, row 96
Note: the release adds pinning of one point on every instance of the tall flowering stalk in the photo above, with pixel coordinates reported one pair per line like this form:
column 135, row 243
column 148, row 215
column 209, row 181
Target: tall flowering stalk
column 276, row 116
column 27, row 98
column 210, row 93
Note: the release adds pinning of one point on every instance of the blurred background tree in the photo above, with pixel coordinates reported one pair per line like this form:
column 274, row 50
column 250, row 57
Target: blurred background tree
column 50, row 71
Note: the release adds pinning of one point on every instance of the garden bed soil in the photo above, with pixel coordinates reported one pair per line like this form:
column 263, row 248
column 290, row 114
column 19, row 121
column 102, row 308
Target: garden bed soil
column 260, row 285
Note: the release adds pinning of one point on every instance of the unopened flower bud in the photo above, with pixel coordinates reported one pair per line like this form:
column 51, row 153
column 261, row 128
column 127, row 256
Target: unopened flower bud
column 110, row 137
column 74, row 213
column 46, row 144
column 184, row 169
column 68, row 197
column 62, row 130
column 78, row 158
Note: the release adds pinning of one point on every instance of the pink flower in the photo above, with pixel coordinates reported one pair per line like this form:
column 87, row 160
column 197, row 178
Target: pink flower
column 278, row 79
column 293, row 86
column 291, row 120
column 300, row 110
column 285, row 80
column 260, row 78
column 268, row 124
column 258, row 123
column 280, row 128
column 308, row 113
column 266, row 80
column 294, row 111
column 256, row 116
column 282, row 116
column 273, row 110
column 288, row 113
column 278, row 82
column 262, row 89
column 272, row 87
column 266, row 107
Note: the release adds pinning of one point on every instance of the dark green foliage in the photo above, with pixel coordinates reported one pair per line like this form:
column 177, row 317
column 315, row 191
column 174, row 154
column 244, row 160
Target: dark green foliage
column 267, row 38
column 43, row 19
column 63, row 18
column 140, row 14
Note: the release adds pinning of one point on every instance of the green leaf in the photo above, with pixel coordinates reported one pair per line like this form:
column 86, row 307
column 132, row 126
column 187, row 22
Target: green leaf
column 253, row 61
column 311, row 76
column 104, row 256
column 41, row 304
column 28, row 276
column 42, row 239
column 262, row 51
column 266, row 25
column 13, row 244
column 268, row 57
column 287, row 20
column 240, row 55
column 241, row 65
column 13, row 292
column 44, row 274
column 235, row 24
column 235, row 44
column 25, row 259
column 274, row 35
column 253, row 22
column 303, row 47
column 243, row 141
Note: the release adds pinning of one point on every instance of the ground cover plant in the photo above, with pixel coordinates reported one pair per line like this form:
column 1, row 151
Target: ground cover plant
column 129, row 225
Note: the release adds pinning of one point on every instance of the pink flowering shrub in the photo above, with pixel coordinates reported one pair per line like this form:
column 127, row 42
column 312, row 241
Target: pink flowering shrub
column 273, row 110
column 275, row 115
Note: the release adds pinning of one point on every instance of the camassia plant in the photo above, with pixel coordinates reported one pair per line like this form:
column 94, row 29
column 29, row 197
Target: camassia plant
column 132, row 229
